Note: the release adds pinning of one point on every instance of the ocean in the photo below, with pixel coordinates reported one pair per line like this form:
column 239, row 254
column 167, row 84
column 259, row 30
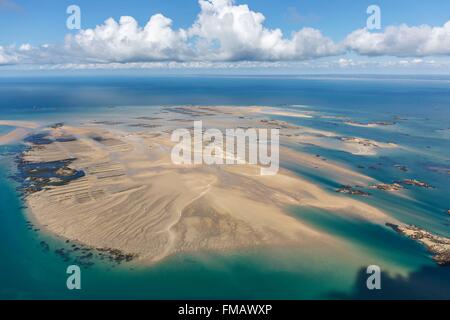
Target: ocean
column 417, row 107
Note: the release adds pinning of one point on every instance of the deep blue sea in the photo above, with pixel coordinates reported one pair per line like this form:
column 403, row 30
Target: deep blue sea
column 419, row 105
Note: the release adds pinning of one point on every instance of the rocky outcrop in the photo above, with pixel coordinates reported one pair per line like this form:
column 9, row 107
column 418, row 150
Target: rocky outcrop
column 416, row 183
column 352, row 191
column 387, row 187
column 437, row 245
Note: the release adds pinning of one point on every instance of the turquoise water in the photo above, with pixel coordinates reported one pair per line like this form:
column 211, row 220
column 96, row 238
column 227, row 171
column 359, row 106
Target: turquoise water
column 5, row 129
column 28, row 271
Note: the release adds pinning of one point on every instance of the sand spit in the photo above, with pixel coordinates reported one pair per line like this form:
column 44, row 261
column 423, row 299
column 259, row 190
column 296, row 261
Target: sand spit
column 276, row 112
column 19, row 124
column 327, row 139
column 371, row 124
column 132, row 198
column 12, row 136
column 22, row 128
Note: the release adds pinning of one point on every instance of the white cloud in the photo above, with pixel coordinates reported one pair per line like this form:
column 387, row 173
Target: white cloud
column 229, row 32
column 125, row 41
column 28, row 54
column 7, row 57
column 395, row 63
column 402, row 41
column 224, row 32
column 25, row 47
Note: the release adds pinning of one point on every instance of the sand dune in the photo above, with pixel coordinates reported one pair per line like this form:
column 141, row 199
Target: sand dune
column 134, row 199
column 12, row 136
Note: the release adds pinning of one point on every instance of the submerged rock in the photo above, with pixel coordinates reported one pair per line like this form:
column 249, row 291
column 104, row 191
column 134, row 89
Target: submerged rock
column 57, row 125
column 38, row 139
column 417, row 183
column 109, row 123
column 35, row 176
column 66, row 171
column 387, row 187
column 65, row 138
column 364, row 142
column 44, row 245
column 144, row 125
column 401, row 167
column 117, row 255
column 352, row 191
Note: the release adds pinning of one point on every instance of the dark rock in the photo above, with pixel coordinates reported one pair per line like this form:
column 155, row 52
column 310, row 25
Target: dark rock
column 352, row 191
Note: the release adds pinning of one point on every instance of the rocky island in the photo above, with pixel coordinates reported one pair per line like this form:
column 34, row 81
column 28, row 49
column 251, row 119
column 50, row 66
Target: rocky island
column 437, row 245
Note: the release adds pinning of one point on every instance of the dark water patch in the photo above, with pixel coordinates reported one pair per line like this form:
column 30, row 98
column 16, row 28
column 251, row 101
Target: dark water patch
column 35, row 176
column 312, row 175
column 149, row 118
column 44, row 245
column 400, row 167
column 190, row 112
column 11, row 150
column 57, row 125
column 439, row 168
column 66, row 138
column 43, row 138
column 85, row 256
column 144, row 125
column 98, row 138
column 108, row 123
column 115, row 255
column 426, row 283
column 380, row 239
column 39, row 139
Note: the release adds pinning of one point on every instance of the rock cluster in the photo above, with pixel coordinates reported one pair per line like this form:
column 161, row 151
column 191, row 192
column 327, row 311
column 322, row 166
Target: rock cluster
column 417, row 183
column 437, row 245
column 387, row 187
column 352, row 191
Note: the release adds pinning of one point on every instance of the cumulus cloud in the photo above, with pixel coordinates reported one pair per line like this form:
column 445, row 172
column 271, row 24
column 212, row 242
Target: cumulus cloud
column 402, row 41
column 28, row 54
column 125, row 41
column 5, row 58
column 233, row 32
column 222, row 32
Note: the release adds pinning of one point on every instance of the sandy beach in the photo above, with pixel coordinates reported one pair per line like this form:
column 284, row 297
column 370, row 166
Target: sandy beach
column 132, row 198
column 21, row 129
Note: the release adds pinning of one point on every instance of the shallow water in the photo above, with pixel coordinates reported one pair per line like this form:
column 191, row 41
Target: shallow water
column 27, row 270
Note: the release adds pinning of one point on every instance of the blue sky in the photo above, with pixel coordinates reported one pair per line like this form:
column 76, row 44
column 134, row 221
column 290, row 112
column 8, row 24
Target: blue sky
column 40, row 22
column 43, row 21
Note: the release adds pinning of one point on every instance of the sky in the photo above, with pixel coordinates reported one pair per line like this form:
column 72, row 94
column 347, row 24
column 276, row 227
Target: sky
column 300, row 35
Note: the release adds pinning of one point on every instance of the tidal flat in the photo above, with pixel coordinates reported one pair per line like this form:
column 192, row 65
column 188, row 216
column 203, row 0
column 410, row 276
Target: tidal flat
column 98, row 188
